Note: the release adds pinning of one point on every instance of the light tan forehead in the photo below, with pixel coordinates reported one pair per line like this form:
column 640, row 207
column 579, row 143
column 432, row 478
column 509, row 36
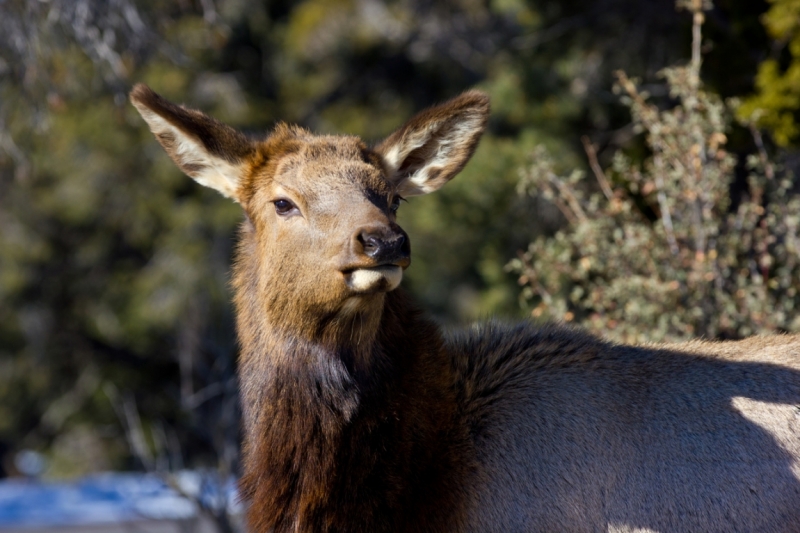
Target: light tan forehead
column 322, row 172
column 332, row 163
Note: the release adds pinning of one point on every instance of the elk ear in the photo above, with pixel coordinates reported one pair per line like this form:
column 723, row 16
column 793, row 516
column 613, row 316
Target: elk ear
column 432, row 147
column 209, row 151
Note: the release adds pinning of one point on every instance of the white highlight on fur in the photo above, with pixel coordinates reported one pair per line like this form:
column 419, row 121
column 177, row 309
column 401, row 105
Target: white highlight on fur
column 392, row 157
column 625, row 528
column 385, row 278
column 765, row 414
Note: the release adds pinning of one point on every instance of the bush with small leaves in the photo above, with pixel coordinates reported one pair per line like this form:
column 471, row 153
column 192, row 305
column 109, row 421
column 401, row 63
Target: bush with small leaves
column 660, row 254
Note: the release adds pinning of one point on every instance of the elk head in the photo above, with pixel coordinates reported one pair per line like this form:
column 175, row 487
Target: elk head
column 320, row 239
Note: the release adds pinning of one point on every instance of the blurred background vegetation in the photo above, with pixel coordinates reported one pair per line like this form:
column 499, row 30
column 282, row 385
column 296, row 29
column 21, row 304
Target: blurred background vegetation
column 117, row 349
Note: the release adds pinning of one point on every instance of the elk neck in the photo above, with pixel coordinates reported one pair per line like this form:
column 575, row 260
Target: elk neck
column 345, row 415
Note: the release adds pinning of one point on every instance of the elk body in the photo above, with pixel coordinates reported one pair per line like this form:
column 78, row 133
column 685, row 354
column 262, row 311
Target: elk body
column 361, row 416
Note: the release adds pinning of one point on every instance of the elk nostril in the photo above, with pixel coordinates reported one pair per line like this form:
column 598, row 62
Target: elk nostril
column 385, row 246
column 370, row 243
column 404, row 245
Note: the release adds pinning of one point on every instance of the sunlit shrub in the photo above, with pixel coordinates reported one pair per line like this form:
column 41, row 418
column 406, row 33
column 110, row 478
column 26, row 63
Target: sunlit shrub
column 660, row 253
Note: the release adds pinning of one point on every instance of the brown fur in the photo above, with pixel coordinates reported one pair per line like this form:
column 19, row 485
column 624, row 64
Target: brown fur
column 361, row 416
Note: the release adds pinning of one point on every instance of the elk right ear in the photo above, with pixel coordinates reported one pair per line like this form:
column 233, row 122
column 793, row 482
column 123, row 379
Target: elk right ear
column 207, row 150
column 432, row 147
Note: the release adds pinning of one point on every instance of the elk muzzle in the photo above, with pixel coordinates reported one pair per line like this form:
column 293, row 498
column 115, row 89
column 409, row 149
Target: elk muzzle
column 385, row 247
column 380, row 256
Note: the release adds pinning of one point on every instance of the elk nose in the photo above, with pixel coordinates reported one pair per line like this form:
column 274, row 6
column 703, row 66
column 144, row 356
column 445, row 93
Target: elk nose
column 385, row 246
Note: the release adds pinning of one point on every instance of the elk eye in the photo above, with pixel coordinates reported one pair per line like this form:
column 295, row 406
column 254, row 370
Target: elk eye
column 396, row 204
column 283, row 207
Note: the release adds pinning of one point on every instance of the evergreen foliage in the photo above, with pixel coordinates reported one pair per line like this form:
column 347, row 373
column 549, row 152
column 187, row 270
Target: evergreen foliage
column 660, row 253
column 776, row 101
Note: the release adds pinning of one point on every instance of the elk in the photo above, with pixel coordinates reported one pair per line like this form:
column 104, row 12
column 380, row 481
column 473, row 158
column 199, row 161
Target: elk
column 361, row 415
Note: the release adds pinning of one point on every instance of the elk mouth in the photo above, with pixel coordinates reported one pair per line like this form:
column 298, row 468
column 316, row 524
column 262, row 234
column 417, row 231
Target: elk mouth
column 381, row 278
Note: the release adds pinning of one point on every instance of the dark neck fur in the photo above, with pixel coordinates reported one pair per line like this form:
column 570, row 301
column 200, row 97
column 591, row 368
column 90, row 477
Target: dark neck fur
column 334, row 445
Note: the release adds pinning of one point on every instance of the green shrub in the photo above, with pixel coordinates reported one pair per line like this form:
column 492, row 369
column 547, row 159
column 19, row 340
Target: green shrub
column 660, row 253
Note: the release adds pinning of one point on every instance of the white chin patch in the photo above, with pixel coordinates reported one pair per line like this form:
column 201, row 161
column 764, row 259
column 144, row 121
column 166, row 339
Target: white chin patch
column 383, row 278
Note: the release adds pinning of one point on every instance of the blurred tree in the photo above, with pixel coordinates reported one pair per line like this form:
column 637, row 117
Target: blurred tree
column 776, row 101
column 664, row 255
column 112, row 268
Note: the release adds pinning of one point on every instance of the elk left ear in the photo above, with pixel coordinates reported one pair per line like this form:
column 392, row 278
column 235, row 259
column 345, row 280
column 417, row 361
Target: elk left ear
column 432, row 147
column 212, row 153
